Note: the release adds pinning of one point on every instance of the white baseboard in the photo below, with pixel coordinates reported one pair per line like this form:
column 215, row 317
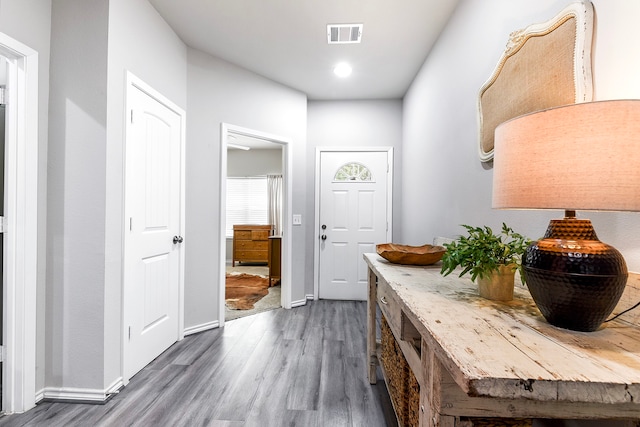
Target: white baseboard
column 201, row 328
column 69, row 394
column 115, row 387
column 298, row 303
column 311, row 297
column 73, row 394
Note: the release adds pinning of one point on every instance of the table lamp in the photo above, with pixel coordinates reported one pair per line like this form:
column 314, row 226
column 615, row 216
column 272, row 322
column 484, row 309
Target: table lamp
column 576, row 157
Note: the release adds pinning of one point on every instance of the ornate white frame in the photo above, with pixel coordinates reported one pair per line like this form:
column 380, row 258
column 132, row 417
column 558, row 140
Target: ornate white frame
column 582, row 12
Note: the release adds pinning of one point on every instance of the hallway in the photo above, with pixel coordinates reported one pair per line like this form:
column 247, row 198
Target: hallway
column 300, row 367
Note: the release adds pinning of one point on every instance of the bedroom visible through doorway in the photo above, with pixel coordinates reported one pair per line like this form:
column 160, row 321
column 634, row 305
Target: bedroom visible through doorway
column 254, row 225
column 254, row 229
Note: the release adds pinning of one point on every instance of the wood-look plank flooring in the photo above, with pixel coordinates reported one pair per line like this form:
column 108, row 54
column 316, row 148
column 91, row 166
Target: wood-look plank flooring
column 300, row 367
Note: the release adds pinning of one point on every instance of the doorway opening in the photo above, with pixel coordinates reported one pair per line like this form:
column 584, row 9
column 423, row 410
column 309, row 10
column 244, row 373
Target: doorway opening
column 3, row 86
column 19, row 225
column 255, row 193
column 253, row 226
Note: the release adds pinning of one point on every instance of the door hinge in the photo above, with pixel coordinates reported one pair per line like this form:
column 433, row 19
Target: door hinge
column 129, row 333
column 3, row 96
column 3, row 224
column 132, row 116
column 3, row 355
column 130, row 223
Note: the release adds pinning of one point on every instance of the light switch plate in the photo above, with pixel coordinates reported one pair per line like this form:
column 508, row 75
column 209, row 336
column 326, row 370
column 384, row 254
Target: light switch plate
column 297, row 220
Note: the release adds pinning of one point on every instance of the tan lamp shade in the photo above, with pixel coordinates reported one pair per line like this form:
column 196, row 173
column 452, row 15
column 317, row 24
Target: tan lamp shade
column 577, row 157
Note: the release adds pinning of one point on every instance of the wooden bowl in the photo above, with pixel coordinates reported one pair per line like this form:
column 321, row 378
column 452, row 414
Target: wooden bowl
column 410, row 255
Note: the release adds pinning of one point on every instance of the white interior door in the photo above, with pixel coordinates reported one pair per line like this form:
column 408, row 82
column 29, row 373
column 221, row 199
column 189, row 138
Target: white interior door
column 153, row 241
column 353, row 218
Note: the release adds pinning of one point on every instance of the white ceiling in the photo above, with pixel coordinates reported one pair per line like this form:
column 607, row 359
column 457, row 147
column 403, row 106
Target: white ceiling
column 286, row 41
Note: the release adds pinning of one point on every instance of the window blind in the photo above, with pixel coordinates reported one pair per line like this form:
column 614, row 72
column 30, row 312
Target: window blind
column 247, row 202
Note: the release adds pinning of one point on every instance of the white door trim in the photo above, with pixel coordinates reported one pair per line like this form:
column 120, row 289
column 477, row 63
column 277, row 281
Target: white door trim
column 21, row 225
column 131, row 83
column 287, row 167
column 316, row 251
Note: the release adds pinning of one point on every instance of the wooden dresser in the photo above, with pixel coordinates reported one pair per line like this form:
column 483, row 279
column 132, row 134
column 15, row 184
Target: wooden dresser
column 476, row 361
column 275, row 255
column 251, row 243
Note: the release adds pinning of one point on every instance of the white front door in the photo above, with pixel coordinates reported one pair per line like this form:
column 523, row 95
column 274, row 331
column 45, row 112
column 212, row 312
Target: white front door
column 353, row 217
column 153, row 241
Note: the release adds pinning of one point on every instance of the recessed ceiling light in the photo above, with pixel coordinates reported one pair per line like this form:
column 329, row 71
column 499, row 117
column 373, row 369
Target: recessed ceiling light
column 238, row 146
column 342, row 70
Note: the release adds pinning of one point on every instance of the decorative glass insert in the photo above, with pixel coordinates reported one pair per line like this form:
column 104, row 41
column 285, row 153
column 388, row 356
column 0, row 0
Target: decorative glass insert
column 353, row 172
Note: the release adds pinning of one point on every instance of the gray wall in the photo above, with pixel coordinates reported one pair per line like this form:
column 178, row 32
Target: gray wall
column 29, row 21
column 445, row 184
column 220, row 92
column 93, row 43
column 254, row 162
column 372, row 123
column 76, row 204
column 141, row 42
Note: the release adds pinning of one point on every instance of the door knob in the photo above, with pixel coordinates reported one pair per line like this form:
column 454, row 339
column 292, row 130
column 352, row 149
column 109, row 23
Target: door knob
column 323, row 237
column 177, row 239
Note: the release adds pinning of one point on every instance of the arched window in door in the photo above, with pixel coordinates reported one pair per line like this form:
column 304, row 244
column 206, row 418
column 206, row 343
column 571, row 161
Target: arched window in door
column 353, row 171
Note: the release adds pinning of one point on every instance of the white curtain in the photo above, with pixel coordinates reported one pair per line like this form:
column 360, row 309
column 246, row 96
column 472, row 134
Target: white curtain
column 274, row 192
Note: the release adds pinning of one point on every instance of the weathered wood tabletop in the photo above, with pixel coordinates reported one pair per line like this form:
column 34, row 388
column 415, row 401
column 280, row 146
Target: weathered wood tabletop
column 507, row 349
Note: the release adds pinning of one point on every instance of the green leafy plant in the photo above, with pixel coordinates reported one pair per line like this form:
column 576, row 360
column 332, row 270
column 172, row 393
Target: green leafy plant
column 481, row 251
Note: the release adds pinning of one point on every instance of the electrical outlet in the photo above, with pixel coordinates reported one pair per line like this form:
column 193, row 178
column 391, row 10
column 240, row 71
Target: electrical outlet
column 297, row 220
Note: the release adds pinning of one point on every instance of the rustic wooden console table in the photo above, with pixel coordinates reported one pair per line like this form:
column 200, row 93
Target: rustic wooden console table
column 477, row 358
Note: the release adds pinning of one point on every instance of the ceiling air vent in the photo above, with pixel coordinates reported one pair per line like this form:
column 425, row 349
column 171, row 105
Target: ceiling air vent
column 344, row 33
